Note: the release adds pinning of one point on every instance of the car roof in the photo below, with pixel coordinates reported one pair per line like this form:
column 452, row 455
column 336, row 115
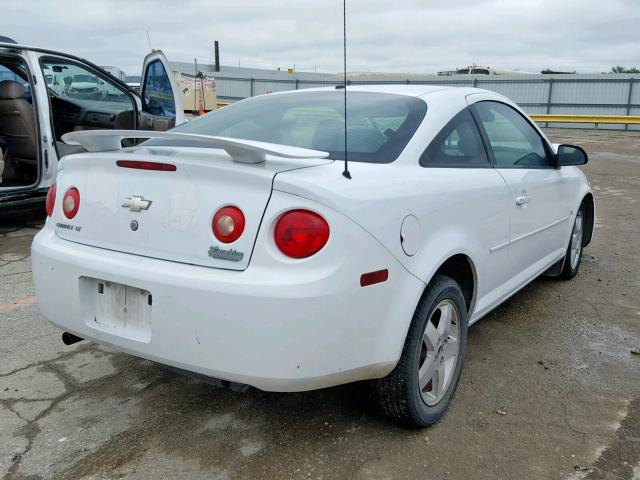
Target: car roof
column 17, row 46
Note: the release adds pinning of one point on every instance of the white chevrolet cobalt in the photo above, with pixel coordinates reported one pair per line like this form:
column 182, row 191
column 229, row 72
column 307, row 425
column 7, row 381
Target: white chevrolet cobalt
column 233, row 246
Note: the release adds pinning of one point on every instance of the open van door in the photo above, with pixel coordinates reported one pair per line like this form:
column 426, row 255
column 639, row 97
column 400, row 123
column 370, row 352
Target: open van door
column 161, row 101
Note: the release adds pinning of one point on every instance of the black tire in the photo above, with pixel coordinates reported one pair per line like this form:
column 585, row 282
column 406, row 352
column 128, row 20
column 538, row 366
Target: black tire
column 398, row 395
column 568, row 270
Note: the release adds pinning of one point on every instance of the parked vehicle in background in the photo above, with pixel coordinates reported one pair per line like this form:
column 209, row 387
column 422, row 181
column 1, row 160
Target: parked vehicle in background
column 84, row 86
column 480, row 70
column 234, row 247
column 45, row 94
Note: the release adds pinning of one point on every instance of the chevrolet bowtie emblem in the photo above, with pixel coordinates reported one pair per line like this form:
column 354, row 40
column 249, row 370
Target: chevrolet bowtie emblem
column 136, row 203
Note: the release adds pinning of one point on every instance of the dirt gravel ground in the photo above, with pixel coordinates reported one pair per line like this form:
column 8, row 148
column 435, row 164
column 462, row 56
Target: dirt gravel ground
column 550, row 390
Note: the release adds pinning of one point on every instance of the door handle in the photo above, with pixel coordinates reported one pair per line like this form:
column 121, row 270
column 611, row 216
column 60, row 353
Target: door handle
column 522, row 200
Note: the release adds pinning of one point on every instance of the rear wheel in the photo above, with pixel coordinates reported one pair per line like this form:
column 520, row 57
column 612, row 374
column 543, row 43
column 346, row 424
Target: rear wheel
column 574, row 249
column 418, row 391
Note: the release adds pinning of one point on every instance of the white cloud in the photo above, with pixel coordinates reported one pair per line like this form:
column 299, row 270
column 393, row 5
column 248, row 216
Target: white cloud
column 398, row 36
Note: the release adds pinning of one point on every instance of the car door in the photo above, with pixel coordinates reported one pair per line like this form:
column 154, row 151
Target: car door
column 463, row 193
column 161, row 100
column 539, row 209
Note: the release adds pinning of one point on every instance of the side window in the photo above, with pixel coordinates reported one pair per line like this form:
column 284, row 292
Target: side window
column 457, row 145
column 83, row 100
column 157, row 94
column 514, row 142
column 74, row 83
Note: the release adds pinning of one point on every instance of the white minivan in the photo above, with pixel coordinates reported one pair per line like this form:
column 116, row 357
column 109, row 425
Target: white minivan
column 45, row 94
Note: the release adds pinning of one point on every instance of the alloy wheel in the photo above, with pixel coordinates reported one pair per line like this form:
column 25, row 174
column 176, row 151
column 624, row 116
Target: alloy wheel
column 439, row 352
column 576, row 241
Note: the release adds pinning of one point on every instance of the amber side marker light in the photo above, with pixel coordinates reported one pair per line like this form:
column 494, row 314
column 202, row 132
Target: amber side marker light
column 372, row 278
column 139, row 165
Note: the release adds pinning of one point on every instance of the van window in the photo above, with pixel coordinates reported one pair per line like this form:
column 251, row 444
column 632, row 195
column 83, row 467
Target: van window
column 81, row 99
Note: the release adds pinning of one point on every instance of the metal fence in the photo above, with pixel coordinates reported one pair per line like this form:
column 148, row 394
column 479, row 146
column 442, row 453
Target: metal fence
column 606, row 94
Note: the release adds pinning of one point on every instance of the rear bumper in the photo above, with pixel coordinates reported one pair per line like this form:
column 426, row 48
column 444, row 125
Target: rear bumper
column 290, row 331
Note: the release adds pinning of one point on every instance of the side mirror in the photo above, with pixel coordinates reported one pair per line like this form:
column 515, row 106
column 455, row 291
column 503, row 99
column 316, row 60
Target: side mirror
column 571, row 155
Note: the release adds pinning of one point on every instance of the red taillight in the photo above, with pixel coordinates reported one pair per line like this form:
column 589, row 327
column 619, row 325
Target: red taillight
column 71, row 203
column 301, row 233
column 51, row 199
column 228, row 224
column 162, row 167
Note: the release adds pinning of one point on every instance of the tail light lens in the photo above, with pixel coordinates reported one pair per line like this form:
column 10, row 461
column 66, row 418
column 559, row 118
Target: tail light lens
column 161, row 167
column 228, row 224
column 71, row 203
column 51, row 199
column 301, row 233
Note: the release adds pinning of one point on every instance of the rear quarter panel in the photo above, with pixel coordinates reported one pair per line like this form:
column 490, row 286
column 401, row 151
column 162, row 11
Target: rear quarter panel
column 459, row 211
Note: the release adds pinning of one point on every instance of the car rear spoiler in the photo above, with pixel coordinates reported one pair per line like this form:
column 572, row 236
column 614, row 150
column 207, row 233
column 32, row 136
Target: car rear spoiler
column 243, row 151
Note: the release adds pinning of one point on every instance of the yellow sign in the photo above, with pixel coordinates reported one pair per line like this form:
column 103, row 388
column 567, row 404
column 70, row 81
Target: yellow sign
column 290, row 71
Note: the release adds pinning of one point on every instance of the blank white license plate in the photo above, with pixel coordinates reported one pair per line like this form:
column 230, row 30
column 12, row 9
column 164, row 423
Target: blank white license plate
column 122, row 310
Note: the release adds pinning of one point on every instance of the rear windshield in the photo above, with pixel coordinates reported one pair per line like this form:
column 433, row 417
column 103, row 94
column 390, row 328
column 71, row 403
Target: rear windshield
column 379, row 124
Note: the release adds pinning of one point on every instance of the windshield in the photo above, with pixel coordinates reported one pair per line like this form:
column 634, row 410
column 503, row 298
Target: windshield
column 379, row 124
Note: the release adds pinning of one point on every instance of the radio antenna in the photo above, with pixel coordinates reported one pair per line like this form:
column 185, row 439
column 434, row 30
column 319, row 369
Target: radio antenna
column 346, row 173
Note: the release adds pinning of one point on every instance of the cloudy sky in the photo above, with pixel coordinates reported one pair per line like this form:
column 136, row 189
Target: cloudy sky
column 391, row 36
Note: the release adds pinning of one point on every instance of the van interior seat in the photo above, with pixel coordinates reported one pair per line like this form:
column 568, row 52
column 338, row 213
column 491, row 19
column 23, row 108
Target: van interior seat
column 18, row 124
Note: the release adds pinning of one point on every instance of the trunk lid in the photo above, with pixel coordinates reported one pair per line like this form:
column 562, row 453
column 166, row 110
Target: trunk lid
column 177, row 225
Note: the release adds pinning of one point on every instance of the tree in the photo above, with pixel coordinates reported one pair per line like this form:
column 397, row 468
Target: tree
column 623, row 69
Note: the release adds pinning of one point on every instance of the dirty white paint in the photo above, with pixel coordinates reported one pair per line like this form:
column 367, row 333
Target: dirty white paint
column 184, row 205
